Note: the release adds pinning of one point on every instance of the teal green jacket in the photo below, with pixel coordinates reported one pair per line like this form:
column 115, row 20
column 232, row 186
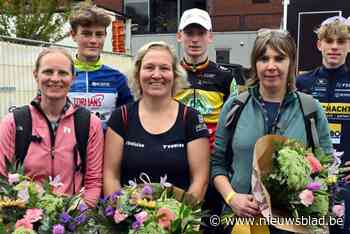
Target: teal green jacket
column 251, row 126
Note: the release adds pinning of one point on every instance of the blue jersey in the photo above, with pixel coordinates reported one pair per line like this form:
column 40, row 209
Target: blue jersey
column 332, row 88
column 100, row 91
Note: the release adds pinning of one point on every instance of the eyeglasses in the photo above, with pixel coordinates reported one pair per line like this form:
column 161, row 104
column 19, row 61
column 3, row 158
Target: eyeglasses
column 263, row 32
column 334, row 19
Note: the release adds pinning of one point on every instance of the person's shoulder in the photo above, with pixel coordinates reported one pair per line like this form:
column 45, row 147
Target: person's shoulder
column 306, row 79
column 220, row 68
column 186, row 108
column 107, row 68
column 7, row 120
column 308, row 74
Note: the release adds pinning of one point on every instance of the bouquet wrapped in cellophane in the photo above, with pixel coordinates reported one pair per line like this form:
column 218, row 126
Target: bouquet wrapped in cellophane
column 28, row 207
column 148, row 208
column 298, row 189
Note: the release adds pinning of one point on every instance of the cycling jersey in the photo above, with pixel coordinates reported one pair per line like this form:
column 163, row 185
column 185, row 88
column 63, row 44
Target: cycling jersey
column 209, row 89
column 100, row 89
column 332, row 88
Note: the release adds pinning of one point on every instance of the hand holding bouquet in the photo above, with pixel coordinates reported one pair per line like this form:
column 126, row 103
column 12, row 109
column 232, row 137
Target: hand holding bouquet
column 291, row 181
column 148, row 208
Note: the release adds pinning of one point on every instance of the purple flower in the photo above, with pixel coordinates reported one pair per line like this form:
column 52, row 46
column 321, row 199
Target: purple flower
column 58, row 229
column 136, row 225
column 313, row 186
column 65, row 218
column 116, row 194
column 147, row 190
column 80, row 219
column 109, row 211
column 71, row 227
column 82, row 207
column 104, row 199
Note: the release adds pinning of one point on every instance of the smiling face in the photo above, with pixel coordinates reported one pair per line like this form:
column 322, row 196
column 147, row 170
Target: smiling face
column 334, row 50
column 54, row 75
column 156, row 75
column 272, row 70
column 195, row 41
column 90, row 41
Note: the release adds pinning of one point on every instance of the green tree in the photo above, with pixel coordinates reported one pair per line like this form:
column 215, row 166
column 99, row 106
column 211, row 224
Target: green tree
column 41, row 20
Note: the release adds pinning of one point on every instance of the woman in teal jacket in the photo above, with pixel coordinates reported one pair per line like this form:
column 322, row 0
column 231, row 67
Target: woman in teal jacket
column 272, row 108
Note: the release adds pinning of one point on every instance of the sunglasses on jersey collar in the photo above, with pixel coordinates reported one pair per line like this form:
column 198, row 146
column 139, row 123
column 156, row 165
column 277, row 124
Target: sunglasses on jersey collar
column 334, row 19
column 263, row 32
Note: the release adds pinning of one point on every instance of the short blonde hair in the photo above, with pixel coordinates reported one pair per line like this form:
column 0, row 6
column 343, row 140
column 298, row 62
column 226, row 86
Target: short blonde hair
column 336, row 25
column 281, row 42
column 180, row 75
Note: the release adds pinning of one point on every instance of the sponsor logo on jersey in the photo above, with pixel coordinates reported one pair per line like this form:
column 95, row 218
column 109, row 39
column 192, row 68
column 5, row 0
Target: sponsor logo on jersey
column 335, row 131
column 100, row 84
column 135, row 144
column 174, row 146
column 93, row 101
column 336, row 108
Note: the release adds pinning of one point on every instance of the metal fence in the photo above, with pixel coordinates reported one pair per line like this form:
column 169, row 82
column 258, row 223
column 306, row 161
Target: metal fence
column 17, row 58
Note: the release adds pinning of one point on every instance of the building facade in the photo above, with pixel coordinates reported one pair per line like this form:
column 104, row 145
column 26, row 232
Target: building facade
column 235, row 23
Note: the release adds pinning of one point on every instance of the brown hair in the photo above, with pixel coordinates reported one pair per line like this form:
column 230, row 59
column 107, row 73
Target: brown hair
column 180, row 74
column 50, row 51
column 281, row 42
column 87, row 15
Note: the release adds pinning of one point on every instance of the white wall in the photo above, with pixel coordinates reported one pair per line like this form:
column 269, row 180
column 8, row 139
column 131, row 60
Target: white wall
column 17, row 86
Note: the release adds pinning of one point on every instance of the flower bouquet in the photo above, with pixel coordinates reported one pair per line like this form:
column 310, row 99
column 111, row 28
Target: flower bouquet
column 293, row 186
column 148, row 208
column 29, row 207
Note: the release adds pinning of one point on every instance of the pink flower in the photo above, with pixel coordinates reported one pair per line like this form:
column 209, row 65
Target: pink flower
column 165, row 216
column 33, row 215
column 306, row 197
column 141, row 217
column 119, row 217
column 13, row 178
column 338, row 210
column 26, row 224
column 314, row 163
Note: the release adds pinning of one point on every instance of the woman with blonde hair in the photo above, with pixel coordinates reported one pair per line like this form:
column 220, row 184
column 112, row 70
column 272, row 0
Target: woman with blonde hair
column 157, row 135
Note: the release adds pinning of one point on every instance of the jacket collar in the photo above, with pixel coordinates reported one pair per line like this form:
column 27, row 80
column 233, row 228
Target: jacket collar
column 195, row 67
column 288, row 98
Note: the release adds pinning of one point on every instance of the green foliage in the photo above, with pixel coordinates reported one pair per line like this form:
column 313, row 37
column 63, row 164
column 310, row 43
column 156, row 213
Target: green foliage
column 41, row 20
column 294, row 167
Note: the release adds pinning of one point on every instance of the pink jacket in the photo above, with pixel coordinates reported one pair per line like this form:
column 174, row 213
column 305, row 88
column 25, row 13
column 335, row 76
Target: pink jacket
column 39, row 163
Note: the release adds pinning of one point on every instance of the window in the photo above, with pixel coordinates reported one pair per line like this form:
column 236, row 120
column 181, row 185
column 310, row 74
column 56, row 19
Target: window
column 260, row 1
column 152, row 16
column 158, row 16
column 163, row 16
column 223, row 55
column 139, row 12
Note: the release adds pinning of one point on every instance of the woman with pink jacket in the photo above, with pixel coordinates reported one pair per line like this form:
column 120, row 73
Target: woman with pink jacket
column 53, row 152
